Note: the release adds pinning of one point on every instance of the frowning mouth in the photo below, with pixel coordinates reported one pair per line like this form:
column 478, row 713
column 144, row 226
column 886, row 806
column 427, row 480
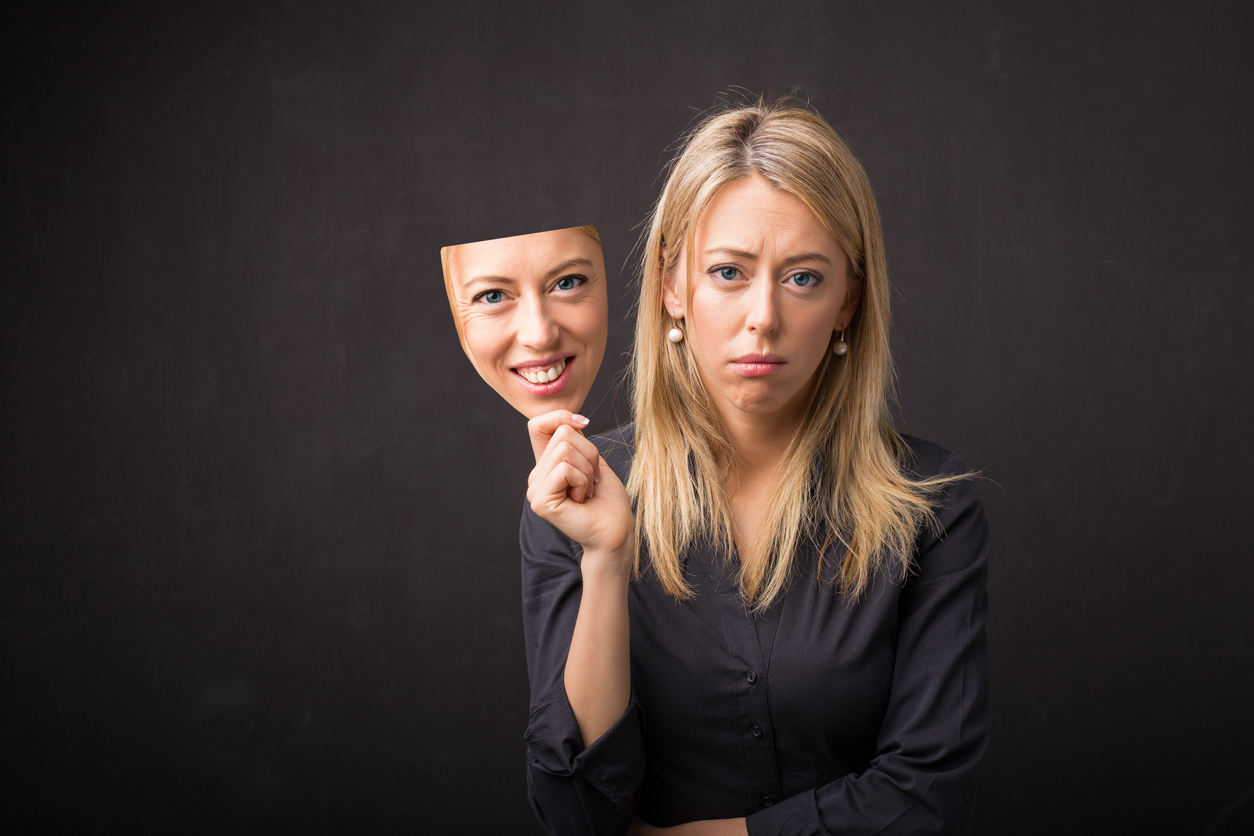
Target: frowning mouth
column 544, row 377
column 758, row 365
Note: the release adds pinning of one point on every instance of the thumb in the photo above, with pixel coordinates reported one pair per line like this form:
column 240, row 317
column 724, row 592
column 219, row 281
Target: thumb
column 609, row 487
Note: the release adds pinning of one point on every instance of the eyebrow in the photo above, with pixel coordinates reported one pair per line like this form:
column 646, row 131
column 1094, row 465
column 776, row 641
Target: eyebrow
column 753, row 256
column 566, row 265
column 469, row 287
column 506, row 280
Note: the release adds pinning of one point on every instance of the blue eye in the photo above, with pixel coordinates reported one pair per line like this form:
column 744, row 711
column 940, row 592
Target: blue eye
column 805, row 279
column 728, row 273
column 568, row 282
column 492, row 297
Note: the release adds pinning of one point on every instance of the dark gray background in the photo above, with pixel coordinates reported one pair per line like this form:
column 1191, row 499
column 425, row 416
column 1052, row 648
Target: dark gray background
column 258, row 517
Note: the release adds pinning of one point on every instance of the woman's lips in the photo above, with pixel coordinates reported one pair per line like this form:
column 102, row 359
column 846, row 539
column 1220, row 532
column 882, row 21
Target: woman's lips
column 758, row 365
column 547, row 378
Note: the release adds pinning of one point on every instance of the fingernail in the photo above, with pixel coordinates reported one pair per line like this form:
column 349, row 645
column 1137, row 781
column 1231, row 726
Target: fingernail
column 580, row 420
column 596, row 475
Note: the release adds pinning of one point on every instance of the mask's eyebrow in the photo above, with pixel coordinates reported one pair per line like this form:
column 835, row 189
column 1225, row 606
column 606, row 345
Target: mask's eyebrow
column 566, row 265
column 497, row 281
column 493, row 281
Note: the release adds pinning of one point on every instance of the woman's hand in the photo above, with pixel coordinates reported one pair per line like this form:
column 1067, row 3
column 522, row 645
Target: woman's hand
column 573, row 488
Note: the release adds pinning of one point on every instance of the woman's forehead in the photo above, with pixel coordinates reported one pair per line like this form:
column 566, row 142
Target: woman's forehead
column 749, row 215
column 523, row 258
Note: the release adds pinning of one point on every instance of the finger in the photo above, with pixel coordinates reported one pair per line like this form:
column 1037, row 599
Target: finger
column 598, row 469
column 587, row 468
column 549, row 493
column 606, row 479
column 568, row 443
column 610, row 487
column 541, row 428
column 570, row 451
column 599, row 463
column 576, row 438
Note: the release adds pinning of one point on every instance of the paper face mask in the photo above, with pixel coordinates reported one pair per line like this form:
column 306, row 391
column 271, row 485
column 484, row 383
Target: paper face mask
column 532, row 314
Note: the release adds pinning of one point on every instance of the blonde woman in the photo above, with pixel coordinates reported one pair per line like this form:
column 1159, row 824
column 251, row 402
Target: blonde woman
column 758, row 609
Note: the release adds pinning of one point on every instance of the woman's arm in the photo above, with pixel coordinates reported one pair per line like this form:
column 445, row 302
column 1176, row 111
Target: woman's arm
column 585, row 738
column 598, row 663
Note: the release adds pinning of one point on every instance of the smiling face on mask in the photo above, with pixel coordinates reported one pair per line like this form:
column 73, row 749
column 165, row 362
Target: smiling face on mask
column 532, row 314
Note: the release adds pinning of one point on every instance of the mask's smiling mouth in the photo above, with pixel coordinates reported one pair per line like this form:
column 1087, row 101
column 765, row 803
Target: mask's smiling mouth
column 545, row 379
column 544, row 375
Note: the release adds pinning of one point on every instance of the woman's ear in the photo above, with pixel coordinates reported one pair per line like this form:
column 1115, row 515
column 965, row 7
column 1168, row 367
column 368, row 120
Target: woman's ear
column 852, row 298
column 674, row 288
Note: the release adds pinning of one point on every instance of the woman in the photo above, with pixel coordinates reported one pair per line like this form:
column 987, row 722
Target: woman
column 787, row 635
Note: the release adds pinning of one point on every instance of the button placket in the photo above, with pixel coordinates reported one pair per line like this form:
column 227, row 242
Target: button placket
column 741, row 632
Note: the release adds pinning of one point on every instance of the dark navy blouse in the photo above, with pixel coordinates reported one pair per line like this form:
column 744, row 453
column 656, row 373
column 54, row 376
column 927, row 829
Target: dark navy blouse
column 821, row 716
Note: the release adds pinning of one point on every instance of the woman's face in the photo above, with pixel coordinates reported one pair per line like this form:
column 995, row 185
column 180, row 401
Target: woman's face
column 533, row 315
column 766, row 289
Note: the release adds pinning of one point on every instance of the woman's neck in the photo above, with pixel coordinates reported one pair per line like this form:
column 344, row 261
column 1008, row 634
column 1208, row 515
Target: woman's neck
column 759, row 443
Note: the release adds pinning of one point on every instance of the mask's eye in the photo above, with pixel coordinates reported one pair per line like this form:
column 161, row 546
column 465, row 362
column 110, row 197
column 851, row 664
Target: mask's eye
column 570, row 282
column 804, row 279
column 728, row 274
column 492, row 297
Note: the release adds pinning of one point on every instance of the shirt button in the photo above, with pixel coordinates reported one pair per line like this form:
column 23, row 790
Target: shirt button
column 756, row 731
column 767, row 800
column 752, row 676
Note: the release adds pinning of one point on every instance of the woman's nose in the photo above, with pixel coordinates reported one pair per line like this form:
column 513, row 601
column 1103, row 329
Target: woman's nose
column 536, row 329
column 762, row 316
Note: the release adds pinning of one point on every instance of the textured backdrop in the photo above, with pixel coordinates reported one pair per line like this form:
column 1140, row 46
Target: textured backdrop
column 258, row 517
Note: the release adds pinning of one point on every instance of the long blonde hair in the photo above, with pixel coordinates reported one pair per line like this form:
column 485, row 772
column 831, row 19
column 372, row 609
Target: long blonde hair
column 860, row 495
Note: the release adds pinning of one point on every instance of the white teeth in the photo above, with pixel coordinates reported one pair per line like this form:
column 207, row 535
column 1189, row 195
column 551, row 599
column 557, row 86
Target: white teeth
column 544, row 375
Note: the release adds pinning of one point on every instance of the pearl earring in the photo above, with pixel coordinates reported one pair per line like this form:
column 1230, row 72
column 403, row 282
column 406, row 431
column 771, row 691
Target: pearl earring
column 675, row 335
column 841, row 348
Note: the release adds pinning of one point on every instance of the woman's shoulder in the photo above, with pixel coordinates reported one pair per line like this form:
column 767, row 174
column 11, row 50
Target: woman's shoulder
column 922, row 459
column 957, row 504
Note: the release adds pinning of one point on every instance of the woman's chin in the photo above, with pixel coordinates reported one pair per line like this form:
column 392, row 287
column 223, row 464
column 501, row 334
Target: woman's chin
column 532, row 406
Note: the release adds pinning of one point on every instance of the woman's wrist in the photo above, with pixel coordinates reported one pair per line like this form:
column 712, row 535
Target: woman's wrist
column 608, row 564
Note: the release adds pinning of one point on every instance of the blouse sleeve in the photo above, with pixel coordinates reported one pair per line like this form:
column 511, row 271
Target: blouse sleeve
column 572, row 789
column 922, row 779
